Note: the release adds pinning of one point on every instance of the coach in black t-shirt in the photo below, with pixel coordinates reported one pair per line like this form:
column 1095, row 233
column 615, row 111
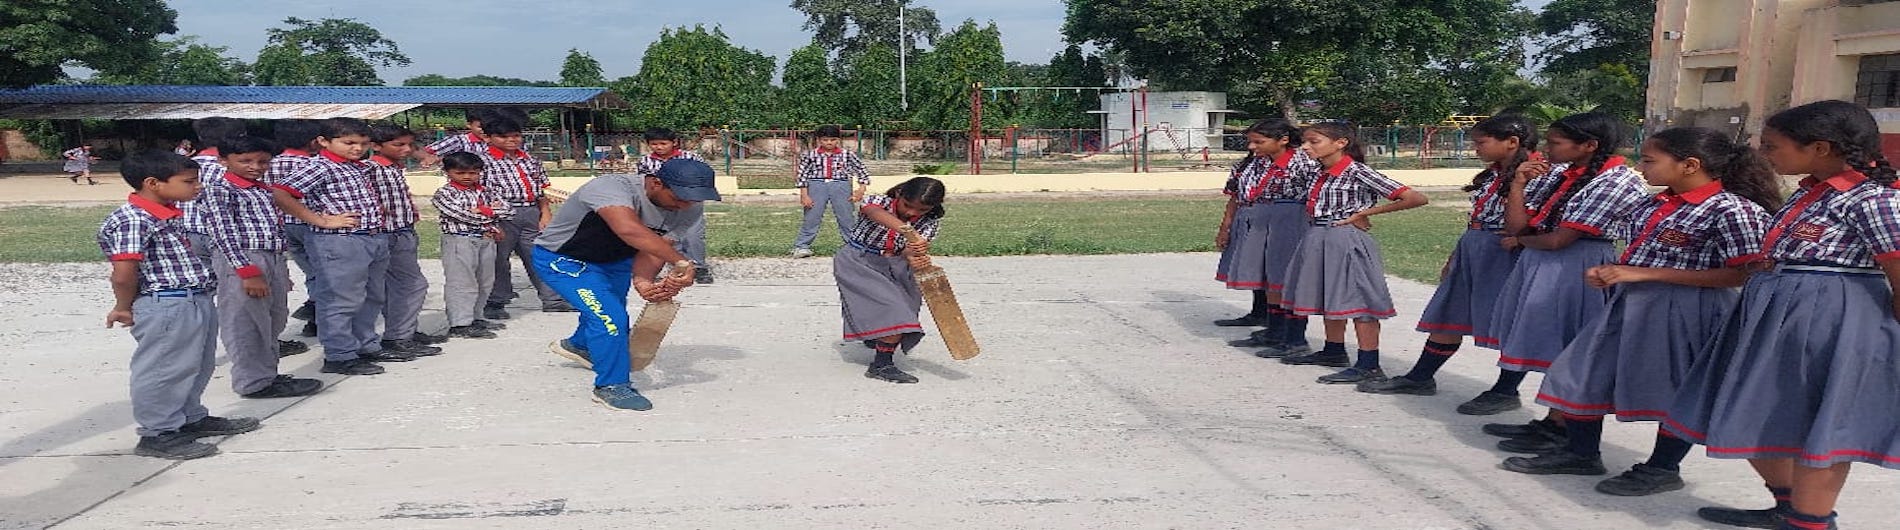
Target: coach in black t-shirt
column 607, row 239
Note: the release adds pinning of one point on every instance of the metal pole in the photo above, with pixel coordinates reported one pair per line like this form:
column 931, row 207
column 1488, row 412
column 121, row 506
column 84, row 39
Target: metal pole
column 976, row 129
column 725, row 145
column 1012, row 148
column 590, row 147
column 1134, row 122
column 903, row 49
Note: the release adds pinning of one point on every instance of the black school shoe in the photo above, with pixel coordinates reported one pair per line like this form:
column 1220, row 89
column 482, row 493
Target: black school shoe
column 471, row 332
column 1258, row 339
column 1284, row 350
column 1556, row 463
column 702, row 275
column 357, row 366
column 558, row 307
column 285, row 387
column 426, row 338
column 494, row 312
column 1641, row 480
column 286, row 348
column 1543, row 443
column 1352, row 376
column 1242, row 321
column 890, row 373
column 1520, row 430
column 1319, row 358
column 1400, row 385
column 174, row 446
column 1489, row 403
column 309, row 329
column 411, row 348
column 307, row 311
column 490, row 325
column 1770, row 518
column 386, row 356
column 216, row 426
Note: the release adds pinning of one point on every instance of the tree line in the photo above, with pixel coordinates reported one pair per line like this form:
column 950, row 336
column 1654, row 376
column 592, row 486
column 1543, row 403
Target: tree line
column 1369, row 61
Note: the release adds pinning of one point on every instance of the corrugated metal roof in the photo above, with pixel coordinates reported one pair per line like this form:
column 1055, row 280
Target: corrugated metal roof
column 588, row 97
column 192, row 111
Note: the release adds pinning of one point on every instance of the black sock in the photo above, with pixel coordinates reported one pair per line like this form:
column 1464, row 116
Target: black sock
column 1508, row 380
column 1814, row 522
column 1368, row 360
column 884, row 352
column 1276, row 319
column 1334, row 348
column 1260, row 306
column 1669, row 451
column 1586, row 434
column 1296, row 331
column 1784, row 498
column 1431, row 360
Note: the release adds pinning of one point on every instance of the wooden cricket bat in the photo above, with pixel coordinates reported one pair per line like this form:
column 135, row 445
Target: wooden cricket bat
column 944, row 309
column 643, row 345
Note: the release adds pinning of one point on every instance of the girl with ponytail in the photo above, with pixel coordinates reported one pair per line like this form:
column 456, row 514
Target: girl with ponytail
column 1261, row 202
column 1670, row 290
column 1801, row 379
column 1473, row 275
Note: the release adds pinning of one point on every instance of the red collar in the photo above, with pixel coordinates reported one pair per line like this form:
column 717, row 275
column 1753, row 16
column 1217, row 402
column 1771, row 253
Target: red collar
column 211, row 152
column 1286, row 157
column 240, row 181
column 498, row 153
column 1840, row 181
column 294, row 152
column 459, row 186
column 1577, row 170
column 473, row 139
column 333, row 157
column 1339, row 167
column 1695, row 196
column 382, row 160
column 831, row 151
column 656, row 156
column 158, row 210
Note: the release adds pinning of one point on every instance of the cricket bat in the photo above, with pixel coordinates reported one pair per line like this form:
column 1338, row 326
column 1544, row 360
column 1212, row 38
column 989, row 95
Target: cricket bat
column 648, row 330
column 944, row 309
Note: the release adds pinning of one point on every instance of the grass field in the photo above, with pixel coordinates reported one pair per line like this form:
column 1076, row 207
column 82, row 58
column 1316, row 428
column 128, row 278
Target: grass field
column 1414, row 242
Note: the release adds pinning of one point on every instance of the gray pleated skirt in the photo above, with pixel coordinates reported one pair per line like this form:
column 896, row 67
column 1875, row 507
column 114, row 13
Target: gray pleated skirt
column 1545, row 303
column 1468, row 292
column 77, row 166
column 1286, row 226
column 878, row 296
column 1337, row 273
column 1246, row 264
column 1630, row 360
column 1806, row 369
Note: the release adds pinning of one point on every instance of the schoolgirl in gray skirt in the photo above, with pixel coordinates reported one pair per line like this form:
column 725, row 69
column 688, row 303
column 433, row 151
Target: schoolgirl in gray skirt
column 879, row 297
column 1671, row 288
column 1544, row 303
column 1473, row 275
column 1337, row 272
column 1802, row 378
column 1266, row 208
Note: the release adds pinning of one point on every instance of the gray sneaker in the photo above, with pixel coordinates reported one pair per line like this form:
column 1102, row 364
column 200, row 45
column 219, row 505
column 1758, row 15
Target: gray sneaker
column 801, row 253
column 174, row 446
column 570, row 351
column 621, row 397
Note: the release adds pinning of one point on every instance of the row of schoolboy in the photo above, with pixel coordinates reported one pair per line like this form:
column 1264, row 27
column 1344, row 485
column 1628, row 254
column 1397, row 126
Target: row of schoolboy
column 1795, row 372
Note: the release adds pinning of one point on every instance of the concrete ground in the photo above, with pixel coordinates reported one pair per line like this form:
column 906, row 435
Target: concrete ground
column 1104, row 399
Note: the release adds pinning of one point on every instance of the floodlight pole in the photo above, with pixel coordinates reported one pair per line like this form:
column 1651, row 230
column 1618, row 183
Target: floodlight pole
column 903, row 44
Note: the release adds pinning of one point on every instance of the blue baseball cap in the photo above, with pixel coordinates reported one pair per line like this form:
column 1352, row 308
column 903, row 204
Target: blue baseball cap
column 691, row 180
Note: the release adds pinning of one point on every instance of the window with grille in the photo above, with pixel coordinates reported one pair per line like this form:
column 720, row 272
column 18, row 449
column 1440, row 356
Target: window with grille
column 1878, row 83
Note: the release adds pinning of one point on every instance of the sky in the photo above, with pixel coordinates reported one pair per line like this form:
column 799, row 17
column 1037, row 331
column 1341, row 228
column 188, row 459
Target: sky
column 528, row 39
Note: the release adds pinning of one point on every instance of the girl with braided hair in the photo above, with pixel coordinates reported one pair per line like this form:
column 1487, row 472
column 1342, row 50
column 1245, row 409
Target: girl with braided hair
column 1670, row 290
column 1802, row 378
column 1545, row 302
column 1468, row 286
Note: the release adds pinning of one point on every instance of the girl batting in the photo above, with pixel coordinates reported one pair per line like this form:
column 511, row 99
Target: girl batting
column 79, row 163
column 1337, row 272
column 1802, row 379
column 1672, row 287
column 880, row 299
column 1468, row 288
column 1265, row 204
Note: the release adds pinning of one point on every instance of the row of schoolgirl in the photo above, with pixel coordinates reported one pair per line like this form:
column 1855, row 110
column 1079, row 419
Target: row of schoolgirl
column 1794, row 372
column 202, row 247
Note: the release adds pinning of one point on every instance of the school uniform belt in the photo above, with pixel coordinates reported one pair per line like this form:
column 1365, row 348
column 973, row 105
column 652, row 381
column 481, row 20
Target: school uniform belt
column 1483, row 226
column 178, row 293
column 523, row 204
column 1288, row 201
column 1797, row 268
column 1327, row 222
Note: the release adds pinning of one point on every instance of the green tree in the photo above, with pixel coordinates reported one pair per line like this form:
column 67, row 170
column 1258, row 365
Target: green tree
column 851, row 26
column 963, row 57
column 696, row 77
column 868, row 88
column 1285, row 52
column 581, row 70
column 340, row 52
column 474, row 80
column 38, row 38
column 811, row 89
column 185, row 62
column 1598, row 52
column 1065, row 108
column 282, row 64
